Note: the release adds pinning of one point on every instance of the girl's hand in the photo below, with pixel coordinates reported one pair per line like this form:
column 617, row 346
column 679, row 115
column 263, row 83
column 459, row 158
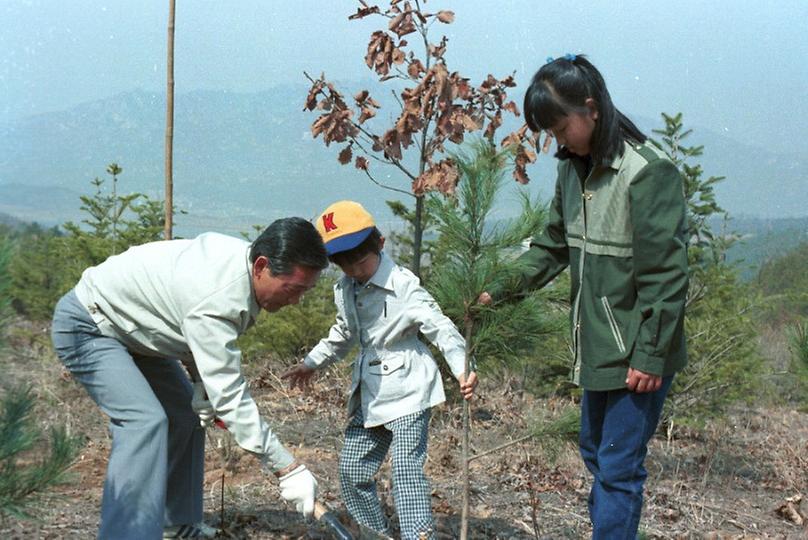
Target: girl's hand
column 467, row 386
column 299, row 376
column 485, row 299
column 640, row 382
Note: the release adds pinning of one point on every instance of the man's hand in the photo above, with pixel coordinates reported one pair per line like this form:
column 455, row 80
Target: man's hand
column 467, row 386
column 299, row 376
column 640, row 382
column 202, row 407
column 299, row 487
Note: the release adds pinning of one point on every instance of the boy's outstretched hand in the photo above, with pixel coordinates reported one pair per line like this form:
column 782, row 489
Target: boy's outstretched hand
column 299, row 376
column 467, row 386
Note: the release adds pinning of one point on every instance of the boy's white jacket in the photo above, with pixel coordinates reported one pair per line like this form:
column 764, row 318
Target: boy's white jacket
column 394, row 373
column 190, row 300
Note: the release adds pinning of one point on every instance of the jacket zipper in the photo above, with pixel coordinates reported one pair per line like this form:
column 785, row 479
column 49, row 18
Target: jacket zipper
column 618, row 338
column 576, row 367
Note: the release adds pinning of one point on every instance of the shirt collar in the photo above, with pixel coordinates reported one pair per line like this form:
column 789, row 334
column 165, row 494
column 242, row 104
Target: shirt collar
column 383, row 276
column 254, row 308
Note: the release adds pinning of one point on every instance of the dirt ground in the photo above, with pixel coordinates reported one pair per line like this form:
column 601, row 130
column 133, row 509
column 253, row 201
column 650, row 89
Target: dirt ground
column 745, row 477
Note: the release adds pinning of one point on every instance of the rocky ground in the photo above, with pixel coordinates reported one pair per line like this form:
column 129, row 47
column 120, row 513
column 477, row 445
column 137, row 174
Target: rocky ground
column 743, row 477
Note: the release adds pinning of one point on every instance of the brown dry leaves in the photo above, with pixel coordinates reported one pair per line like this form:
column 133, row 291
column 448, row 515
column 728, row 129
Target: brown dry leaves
column 440, row 105
column 790, row 510
column 440, row 177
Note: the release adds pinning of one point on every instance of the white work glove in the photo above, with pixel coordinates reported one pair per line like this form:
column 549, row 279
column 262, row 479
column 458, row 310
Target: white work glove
column 202, row 407
column 299, row 487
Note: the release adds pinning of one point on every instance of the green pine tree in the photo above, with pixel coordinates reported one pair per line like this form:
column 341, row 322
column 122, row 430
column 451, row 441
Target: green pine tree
column 724, row 365
column 473, row 255
column 26, row 473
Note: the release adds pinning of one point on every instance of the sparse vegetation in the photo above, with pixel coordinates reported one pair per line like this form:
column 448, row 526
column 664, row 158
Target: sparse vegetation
column 798, row 342
column 5, row 285
column 113, row 223
column 784, row 282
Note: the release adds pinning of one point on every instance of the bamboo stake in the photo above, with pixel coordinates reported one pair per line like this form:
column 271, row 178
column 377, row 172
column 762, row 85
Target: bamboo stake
column 169, row 161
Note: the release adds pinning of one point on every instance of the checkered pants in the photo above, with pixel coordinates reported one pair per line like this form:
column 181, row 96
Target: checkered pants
column 362, row 454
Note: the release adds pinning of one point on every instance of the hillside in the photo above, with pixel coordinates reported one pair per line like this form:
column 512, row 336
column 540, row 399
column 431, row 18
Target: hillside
column 247, row 158
column 761, row 240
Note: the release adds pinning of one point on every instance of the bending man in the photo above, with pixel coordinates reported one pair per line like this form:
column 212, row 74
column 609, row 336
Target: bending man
column 123, row 331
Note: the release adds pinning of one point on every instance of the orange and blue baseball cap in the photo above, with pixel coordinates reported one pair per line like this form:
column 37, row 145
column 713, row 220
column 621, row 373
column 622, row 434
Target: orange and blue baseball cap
column 344, row 225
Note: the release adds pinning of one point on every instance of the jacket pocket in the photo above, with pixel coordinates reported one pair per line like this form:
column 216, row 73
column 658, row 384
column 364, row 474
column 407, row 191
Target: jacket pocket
column 618, row 337
column 386, row 366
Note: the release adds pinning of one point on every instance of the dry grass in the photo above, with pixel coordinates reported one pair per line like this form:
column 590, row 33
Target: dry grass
column 730, row 480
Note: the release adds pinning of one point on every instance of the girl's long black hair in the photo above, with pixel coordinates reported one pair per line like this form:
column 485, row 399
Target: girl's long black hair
column 561, row 87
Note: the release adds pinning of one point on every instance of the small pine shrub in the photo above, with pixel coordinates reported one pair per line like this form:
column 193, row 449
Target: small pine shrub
column 24, row 479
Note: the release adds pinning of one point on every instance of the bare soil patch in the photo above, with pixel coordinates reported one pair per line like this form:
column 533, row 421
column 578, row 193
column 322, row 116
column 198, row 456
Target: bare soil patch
column 743, row 477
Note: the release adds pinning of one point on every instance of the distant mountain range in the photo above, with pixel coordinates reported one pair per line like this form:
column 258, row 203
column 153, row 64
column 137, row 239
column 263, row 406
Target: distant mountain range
column 243, row 159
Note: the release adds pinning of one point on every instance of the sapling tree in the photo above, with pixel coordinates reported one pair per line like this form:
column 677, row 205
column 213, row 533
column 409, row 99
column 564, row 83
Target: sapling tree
column 436, row 108
column 114, row 222
column 702, row 206
column 476, row 255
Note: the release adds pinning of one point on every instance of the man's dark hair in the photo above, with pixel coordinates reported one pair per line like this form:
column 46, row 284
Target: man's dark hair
column 290, row 242
column 371, row 244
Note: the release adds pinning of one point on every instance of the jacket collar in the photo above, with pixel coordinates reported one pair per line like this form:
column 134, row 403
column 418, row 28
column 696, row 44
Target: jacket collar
column 617, row 162
column 384, row 273
column 580, row 163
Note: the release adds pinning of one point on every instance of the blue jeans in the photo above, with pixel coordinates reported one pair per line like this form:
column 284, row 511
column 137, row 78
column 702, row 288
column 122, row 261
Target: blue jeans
column 155, row 471
column 616, row 426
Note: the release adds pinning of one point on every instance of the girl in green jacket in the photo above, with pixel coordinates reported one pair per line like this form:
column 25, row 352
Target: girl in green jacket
column 618, row 222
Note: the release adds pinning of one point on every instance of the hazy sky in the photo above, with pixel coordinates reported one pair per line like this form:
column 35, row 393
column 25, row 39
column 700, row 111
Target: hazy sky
column 735, row 66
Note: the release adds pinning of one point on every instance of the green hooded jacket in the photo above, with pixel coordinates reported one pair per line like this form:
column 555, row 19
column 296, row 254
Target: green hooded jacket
column 621, row 230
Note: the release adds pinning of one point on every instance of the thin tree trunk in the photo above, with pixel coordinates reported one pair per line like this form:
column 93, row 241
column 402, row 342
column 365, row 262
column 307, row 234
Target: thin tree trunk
column 169, row 164
column 464, row 516
column 417, row 235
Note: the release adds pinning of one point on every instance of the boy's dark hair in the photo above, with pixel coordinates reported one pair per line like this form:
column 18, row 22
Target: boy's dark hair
column 561, row 87
column 371, row 244
column 290, row 242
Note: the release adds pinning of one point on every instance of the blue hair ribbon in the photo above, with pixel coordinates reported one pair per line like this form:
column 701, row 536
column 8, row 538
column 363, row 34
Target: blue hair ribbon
column 569, row 57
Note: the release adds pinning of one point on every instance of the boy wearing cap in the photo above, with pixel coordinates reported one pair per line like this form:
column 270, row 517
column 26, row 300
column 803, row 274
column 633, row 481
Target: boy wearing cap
column 382, row 308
